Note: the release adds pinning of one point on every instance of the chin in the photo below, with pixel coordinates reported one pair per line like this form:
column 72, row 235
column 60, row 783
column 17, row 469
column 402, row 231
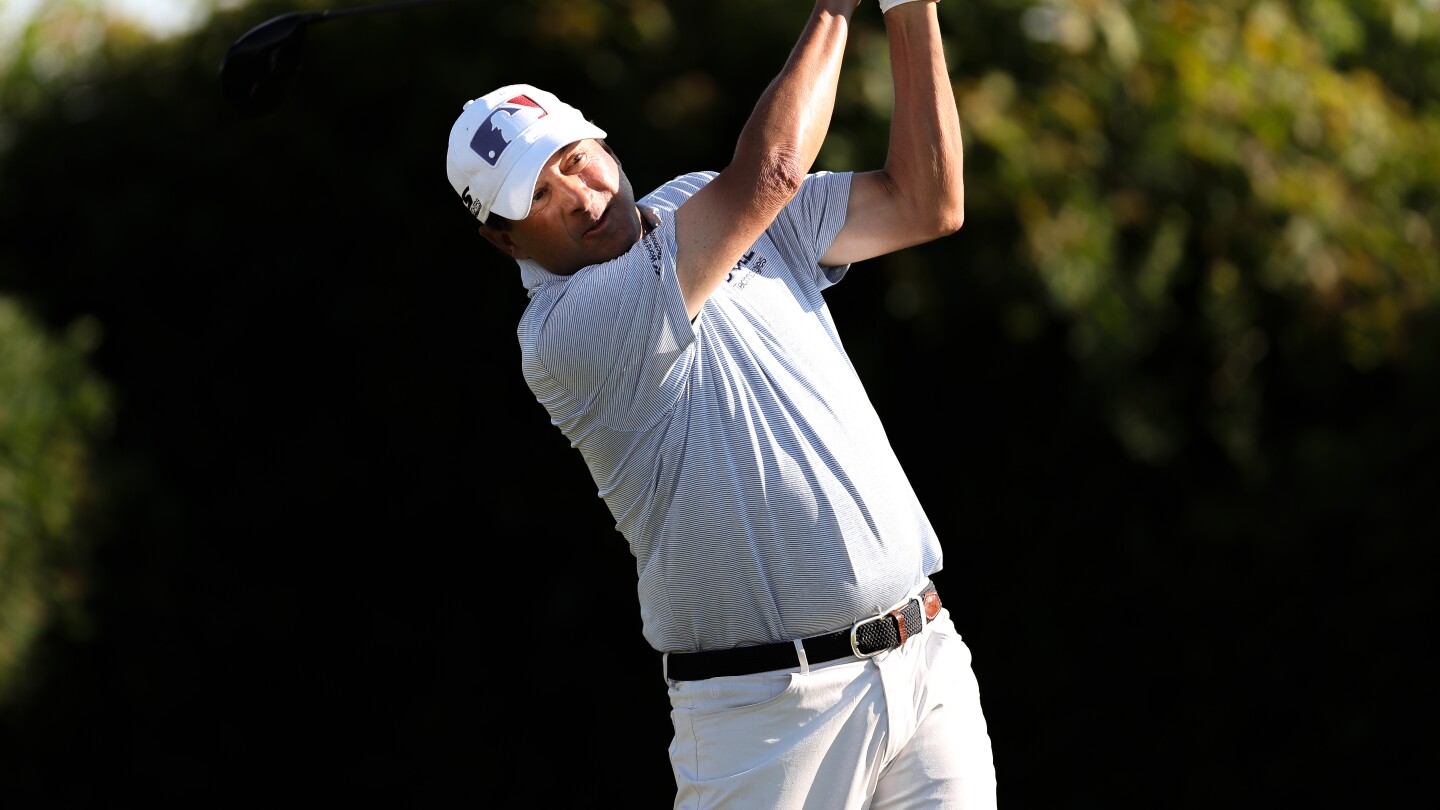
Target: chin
column 622, row 242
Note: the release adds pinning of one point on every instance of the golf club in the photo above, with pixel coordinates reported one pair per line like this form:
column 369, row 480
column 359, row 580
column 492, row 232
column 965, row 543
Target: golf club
column 260, row 66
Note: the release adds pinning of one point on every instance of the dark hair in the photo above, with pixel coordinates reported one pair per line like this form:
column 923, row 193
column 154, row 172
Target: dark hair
column 495, row 222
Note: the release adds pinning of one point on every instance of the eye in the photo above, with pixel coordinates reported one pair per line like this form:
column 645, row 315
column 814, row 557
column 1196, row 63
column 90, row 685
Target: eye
column 539, row 195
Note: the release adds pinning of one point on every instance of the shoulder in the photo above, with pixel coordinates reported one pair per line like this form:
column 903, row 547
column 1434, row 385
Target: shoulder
column 828, row 182
column 672, row 194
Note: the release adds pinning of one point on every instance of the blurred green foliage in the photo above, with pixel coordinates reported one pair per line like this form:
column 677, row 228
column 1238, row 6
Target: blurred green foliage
column 1188, row 342
column 1179, row 168
column 1206, row 201
column 54, row 410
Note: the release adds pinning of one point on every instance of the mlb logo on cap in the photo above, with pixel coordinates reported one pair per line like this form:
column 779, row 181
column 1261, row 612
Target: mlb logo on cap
column 500, row 143
column 503, row 126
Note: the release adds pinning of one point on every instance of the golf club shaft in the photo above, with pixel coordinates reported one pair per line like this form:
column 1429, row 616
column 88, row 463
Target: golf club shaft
column 345, row 12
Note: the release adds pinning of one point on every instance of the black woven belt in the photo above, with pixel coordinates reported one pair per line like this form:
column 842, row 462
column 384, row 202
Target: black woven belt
column 864, row 639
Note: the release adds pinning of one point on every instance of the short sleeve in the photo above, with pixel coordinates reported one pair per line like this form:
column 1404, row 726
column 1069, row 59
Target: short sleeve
column 611, row 340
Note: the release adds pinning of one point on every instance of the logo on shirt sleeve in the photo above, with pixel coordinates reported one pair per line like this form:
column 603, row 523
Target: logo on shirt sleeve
column 652, row 250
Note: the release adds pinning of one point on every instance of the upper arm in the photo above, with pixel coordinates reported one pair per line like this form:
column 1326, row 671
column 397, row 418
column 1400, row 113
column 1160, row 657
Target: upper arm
column 880, row 219
column 715, row 227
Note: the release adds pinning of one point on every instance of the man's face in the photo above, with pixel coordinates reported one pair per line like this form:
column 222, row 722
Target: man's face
column 582, row 213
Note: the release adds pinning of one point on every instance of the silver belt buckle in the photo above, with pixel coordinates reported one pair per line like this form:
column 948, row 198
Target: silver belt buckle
column 854, row 640
column 905, row 631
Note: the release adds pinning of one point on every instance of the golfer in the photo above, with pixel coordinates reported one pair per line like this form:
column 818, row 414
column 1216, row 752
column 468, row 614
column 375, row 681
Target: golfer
column 683, row 344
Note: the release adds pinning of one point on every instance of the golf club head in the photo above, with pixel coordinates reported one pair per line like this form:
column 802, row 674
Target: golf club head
column 260, row 66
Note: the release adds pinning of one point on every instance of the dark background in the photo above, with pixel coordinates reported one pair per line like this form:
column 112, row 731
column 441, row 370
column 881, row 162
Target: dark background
column 343, row 556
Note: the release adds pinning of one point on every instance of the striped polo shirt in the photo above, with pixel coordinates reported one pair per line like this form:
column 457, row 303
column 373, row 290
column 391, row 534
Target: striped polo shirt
column 740, row 455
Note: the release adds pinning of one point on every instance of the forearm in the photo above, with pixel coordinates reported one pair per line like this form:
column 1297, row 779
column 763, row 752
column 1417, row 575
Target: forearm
column 775, row 150
column 925, row 161
column 784, row 133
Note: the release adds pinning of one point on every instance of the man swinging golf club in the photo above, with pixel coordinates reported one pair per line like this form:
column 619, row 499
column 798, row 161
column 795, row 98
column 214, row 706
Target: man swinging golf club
column 683, row 344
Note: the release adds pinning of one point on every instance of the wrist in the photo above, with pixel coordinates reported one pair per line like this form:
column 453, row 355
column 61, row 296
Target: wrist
column 886, row 5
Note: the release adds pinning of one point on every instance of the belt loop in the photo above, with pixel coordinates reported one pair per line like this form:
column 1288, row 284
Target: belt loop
column 800, row 653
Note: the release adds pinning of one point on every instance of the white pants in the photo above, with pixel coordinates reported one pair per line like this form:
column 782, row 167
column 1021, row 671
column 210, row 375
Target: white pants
column 900, row 731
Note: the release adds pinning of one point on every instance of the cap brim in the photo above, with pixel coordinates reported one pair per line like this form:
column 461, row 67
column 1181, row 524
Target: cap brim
column 518, row 190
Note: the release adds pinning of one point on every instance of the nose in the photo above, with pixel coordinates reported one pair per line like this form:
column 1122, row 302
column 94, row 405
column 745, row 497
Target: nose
column 574, row 193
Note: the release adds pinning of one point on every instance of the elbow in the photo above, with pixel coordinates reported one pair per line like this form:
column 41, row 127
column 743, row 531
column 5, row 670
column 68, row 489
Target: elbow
column 934, row 207
column 952, row 216
column 948, row 212
column 780, row 177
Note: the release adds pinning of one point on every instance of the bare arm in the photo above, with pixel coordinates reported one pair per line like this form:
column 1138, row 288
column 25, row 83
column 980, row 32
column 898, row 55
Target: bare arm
column 776, row 149
column 920, row 194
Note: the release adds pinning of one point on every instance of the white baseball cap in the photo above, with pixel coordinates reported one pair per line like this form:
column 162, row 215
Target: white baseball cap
column 500, row 143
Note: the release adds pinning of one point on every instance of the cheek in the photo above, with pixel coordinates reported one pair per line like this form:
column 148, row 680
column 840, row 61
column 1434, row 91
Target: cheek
column 606, row 177
column 541, row 234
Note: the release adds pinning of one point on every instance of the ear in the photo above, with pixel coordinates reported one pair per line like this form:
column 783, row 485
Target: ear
column 502, row 241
